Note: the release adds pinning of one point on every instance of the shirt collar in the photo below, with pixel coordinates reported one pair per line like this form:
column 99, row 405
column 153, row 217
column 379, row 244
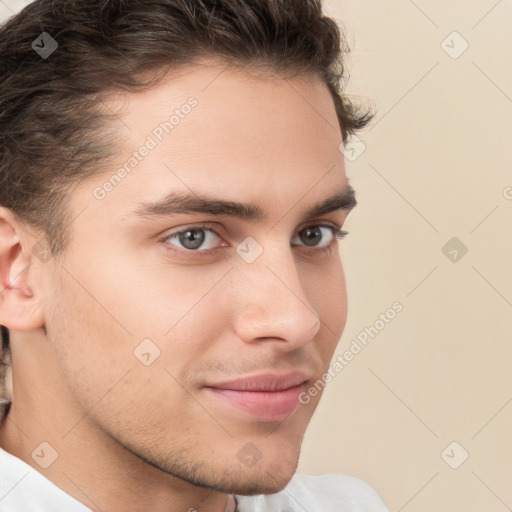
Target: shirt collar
column 22, row 487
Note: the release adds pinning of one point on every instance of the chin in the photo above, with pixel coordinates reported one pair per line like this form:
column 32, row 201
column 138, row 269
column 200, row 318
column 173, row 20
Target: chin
column 264, row 478
column 260, row 486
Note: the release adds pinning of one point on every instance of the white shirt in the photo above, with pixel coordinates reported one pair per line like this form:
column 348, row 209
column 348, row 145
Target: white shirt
column 24, row 489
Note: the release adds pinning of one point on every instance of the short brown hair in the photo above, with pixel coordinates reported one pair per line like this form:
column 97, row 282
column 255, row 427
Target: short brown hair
column 51, row 135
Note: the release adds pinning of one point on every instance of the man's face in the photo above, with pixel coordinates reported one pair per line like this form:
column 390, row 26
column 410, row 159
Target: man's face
column 150, row 328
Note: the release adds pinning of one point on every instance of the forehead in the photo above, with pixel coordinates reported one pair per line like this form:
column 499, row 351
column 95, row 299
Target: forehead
column 232, row 106
column 220, row 131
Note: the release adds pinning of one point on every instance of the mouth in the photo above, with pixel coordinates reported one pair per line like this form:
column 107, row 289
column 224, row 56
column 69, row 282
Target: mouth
column 267, row 397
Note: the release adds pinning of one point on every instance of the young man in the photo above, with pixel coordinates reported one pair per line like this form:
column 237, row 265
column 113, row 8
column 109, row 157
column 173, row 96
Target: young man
column 172, row 191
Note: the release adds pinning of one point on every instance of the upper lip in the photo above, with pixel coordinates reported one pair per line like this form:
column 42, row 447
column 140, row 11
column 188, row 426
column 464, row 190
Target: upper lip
column 263, row 382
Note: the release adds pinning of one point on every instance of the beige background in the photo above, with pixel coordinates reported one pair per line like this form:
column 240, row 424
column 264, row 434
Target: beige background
column 436, row 165
column 437, row 160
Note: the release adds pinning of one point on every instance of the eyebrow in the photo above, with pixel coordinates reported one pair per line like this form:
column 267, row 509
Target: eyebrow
column 177, row 203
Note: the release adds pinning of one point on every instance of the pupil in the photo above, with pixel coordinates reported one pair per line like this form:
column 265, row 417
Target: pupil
column 192, row 239
column 312, row 236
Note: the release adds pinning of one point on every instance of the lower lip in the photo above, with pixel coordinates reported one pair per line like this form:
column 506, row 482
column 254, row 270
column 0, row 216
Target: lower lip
column 264, row 405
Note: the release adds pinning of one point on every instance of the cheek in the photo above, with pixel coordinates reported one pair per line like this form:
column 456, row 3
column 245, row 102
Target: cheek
column 101, row 368
column 141, row 311
column 148, row 294
column 327, row 293
column 87, row 325
column 76, row 348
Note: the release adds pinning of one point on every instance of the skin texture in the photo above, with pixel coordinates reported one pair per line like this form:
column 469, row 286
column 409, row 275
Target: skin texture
column 133, row 437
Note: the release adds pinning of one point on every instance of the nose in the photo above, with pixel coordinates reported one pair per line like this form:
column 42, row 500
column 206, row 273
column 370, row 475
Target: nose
column 273, row 305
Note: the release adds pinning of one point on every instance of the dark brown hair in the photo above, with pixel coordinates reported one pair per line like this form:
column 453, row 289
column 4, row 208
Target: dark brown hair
column 52, row 132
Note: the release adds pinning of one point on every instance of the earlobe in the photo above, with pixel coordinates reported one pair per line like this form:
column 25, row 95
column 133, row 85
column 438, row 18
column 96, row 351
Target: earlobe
column 20, row 305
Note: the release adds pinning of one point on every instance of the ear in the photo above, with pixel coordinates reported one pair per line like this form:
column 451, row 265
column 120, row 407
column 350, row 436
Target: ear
column 20, row 301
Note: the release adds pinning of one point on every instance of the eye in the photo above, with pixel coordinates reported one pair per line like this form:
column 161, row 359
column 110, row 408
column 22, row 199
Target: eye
column 202, row 237
column 194, row 237
column 311, row 235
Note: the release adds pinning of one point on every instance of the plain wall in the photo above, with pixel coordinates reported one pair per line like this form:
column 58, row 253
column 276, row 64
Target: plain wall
column 437, row 165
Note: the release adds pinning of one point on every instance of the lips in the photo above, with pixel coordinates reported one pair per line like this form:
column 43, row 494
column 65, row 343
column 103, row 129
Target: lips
column 267, row 397
column 263, row 382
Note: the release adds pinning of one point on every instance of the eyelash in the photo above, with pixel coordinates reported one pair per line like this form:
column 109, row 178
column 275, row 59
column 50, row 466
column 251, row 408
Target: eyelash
column 338, row 234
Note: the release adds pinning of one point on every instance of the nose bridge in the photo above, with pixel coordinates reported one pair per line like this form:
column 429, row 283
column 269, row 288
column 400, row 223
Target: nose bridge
column 273, row 302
